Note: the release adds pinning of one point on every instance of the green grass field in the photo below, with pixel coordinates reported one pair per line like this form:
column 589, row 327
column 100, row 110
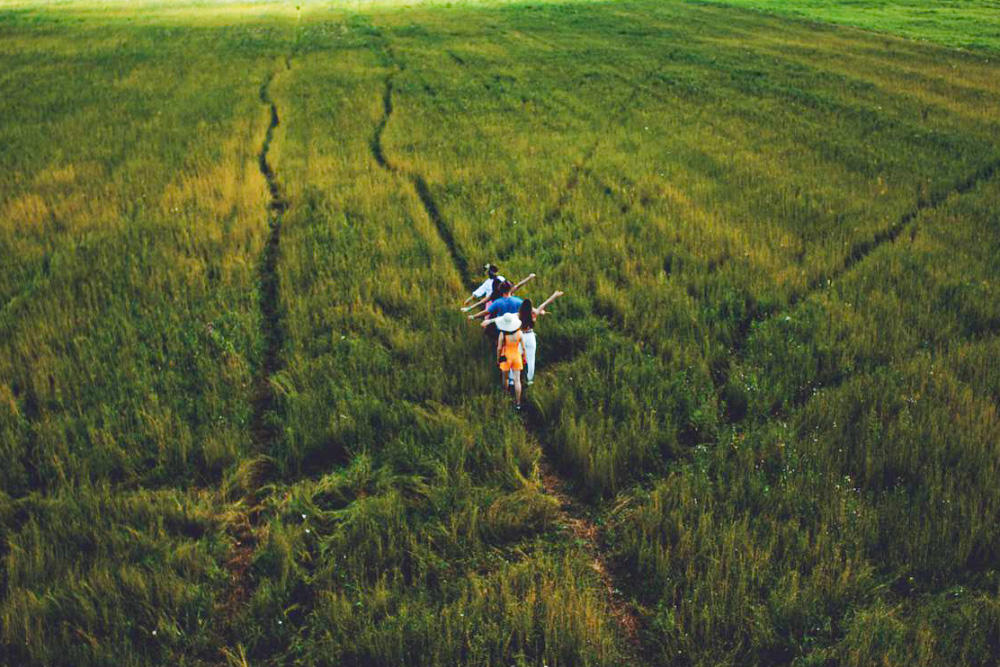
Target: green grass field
column 242, row 421
column 968, row 24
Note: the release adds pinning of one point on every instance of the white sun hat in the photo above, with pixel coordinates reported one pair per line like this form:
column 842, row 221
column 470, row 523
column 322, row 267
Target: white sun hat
column 508, row 322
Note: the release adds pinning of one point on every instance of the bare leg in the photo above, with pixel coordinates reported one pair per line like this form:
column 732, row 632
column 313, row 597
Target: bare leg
column 517, row 388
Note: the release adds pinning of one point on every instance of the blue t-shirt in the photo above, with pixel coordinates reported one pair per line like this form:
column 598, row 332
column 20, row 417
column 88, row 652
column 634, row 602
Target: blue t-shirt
column 508, row 304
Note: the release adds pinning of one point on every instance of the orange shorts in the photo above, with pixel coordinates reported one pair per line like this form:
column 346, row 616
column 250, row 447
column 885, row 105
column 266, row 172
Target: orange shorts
column 515, row 364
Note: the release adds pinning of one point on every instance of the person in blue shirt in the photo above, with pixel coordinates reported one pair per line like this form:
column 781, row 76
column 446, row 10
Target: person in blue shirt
column 503, row 302
column 506, row 303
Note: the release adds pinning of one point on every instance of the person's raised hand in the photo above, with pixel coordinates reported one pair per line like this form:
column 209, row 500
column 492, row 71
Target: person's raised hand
column 559, row 293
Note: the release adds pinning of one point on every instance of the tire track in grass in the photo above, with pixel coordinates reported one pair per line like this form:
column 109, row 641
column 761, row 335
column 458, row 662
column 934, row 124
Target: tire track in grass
column 858, row 253
column 582, row 165
column 418, row 182
column 264, row 426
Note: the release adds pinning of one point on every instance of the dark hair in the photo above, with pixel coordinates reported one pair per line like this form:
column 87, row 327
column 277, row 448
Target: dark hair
column 505, row 287
column 527, row 315
column 491, row 270
column 495, row 288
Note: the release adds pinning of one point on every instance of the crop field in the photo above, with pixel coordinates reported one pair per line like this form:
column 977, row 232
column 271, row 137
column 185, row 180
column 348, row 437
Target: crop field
column 243, row 421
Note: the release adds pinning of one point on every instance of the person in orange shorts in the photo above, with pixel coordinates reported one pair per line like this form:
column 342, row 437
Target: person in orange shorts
column 510, row 352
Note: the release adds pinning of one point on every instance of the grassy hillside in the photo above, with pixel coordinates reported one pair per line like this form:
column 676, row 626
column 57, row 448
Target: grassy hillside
column 243, row 421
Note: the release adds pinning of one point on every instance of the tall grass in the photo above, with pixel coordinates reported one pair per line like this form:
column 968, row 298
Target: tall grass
column 702, row 181
column 966, row 23
column 98, row 576
column 772, row 374
column 131, row 222
column 723, row 184
column 860, row 490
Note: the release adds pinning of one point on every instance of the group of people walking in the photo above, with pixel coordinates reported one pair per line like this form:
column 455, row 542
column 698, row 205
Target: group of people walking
column 509, row 323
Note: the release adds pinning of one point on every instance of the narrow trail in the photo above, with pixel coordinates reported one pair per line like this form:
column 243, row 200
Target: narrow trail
column 376, row 142
column 572, row 512
column 264, row 428
column 863, row 249
column 590, row 538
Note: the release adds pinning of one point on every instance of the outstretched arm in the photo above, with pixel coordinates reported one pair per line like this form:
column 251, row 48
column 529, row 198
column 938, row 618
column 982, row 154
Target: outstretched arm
column 482, row 292
column 522, row 283
column 479, row 314
column 476, row 304
column 555, row 295
column 477, row 294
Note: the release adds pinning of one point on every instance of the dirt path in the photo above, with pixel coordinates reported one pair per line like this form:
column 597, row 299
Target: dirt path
column 590, row 538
